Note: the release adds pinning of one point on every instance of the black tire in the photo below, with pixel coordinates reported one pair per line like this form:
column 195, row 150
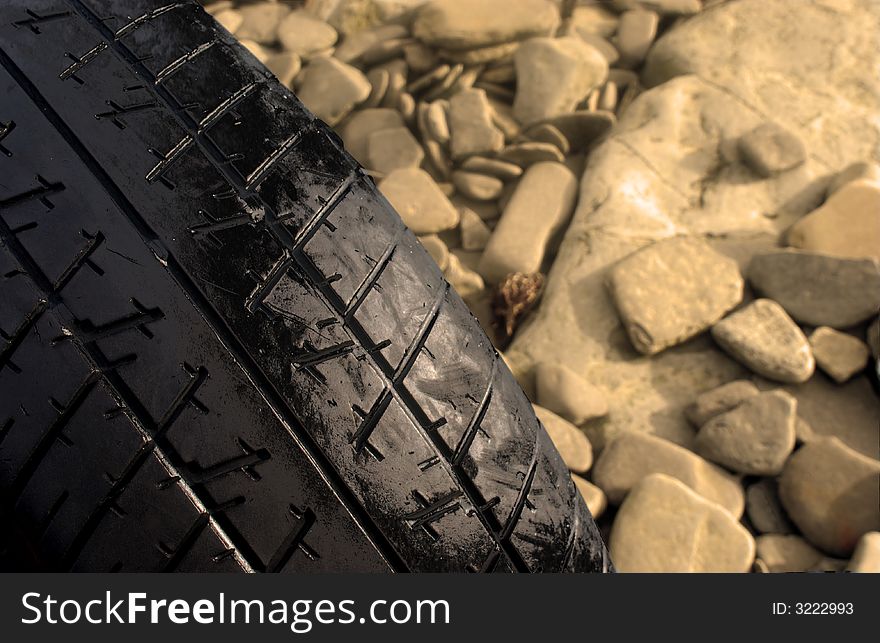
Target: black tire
column 221, row 348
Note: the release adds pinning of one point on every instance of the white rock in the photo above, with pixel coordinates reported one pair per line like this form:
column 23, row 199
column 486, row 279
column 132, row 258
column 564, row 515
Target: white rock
column 572, row 444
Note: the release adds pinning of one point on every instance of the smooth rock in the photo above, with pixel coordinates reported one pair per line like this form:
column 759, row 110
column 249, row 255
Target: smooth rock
column 521, row 237
column 259, row 51
column 593, row 20
column 477, row 186
column 464, row 24
column 546, row 133
column 847, row 225
column 843, row 292
column 229, row 19
column 635, row 34
column 770, row 149
column 260, row 21
column 356, row 130
column 672, row 290
column 492, row 167
column 419, row 57
column 331, row 89
column 866, row 558
column 838, row 354
column 630, row 457
column 582, row 128
column 766, row 340
column 592, row 495
column 562, row 391
column 418, row 201
column 764, row 510
column 528, row 154
column 832, row 494
column 553, row 75
column 572, row 444
column 393, row 149
column 755, row 438
column 304, row 34
column 663, row 526
column 861, row 170
column 379, row 80
column 437, row 249
column 719, row 400
column 465, row 281
column 354, row 45
column 471, row 126
column 474, row 232
column 285, row 66
column 437, row 123
column 786, row 553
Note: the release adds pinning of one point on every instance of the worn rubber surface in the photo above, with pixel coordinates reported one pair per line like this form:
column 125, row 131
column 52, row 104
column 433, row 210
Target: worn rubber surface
column 221, row 348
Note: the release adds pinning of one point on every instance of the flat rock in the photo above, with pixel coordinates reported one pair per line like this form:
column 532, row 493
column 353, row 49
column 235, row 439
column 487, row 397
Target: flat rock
column 755, row 438
column 354, row 45
column 546, row 133
column 356, row 130
column 304, row 34
column 562, row 391
column 464, row 24
column 866, row 558
column 437, row 123
column 229, row 19
column 480, row 187
column 766, row 340
column 437, row 249
column 465, row 281
column 471, row 126
column 553, row 75
column 492, row 167
column 572, row 444
column 847, row 224
column 582, row 128
column 635, row 34
column 527, row 154
column 592, row 495
column 672, row 290
column 832, row 494
column 764, row 510
column 719, row 400
column 663, row 526
column 838, row 354
column 393, row 149
column 630, row 457
column 331, row 88
column 418, row 201
column 540, row 207
column 843, row 292
column 260, row 21
column 786, row 553
column 474, row 231
column 285, row 66
column 859, row 171
column 769, row 149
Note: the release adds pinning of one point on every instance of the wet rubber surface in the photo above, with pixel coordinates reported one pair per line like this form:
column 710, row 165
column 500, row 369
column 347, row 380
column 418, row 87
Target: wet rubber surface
column 222, row 350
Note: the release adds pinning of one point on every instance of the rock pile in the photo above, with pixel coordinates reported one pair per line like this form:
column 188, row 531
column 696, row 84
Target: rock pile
column 711, row 246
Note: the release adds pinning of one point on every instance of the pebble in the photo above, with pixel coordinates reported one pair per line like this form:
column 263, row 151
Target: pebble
column 437, row 249
column 486, row 210
column 229, row 19
column 384, row 51
column 260, row 21
column 593, row 496
column 492, row 167
column 356, row 130
column 755, row 438
column 786, row 553
column 379, row 80
column 719, row 400
column 418, row 201
column 553, row 75
column 285, row 66
column 393, row 149
column 672, row 290
column 477, row 186
column 499, row 74
column 593, row 19
column 471, row 126
column 354, row 45
column 464, row 24
column 562, row 391
column 474, row 232
column 546, row 133
column 429, row 79
column 479, row 55
column 259, row 52
column 582, row 128
column 862, row 170
column 631, row 456
column 572, row 444
column 766, row 340
column 635, row 34
column 847, row 225
column 331, row 89
column 438, row 160
column 419, row 57
column 608, row 97
column 304, row 34
column 444, row 87
column 528, row 154
column 465, row 281
column 603, row 46
column 770, row 149
column 843, row 292
column 663, row 526
column 831, row 493
column 838, row 354
column 397, row 72
column 764, row 510
column 540, row 207
column 866, row 558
